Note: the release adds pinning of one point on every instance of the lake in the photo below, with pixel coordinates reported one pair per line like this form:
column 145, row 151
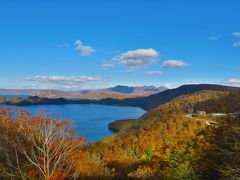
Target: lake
column 12, row 95
column 89, row 121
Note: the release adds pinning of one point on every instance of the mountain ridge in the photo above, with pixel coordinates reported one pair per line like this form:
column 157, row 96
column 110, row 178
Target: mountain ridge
column 168, row 95
column 152, row 101
column 119, row 92
column 146, row 103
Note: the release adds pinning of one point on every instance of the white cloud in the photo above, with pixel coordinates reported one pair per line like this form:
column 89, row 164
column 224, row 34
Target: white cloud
column 233, row 82
column 237, row 34
column 174, row 64
column 106, row 65
column 153, row 73
column 84, row 49
column 63, row 81
column 236, row 44
column 138, row 57
column 214, row 37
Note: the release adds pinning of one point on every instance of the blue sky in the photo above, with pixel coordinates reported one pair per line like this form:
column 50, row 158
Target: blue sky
column 73, row 44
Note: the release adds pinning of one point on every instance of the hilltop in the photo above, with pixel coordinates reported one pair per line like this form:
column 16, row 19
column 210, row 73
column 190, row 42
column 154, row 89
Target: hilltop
column 152, row 101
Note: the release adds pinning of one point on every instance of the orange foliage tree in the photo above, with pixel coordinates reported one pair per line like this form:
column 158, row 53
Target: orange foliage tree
column 36, row 146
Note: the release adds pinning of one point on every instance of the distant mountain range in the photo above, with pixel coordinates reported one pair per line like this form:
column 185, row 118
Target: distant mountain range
column 118, row 92
column 147, row 103
column 136, row 89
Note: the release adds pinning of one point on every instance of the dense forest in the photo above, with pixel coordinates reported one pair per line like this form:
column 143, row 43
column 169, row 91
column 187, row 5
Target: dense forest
column 165, row 143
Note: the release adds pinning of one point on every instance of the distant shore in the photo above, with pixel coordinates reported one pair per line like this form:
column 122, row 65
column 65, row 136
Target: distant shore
column 35, row 100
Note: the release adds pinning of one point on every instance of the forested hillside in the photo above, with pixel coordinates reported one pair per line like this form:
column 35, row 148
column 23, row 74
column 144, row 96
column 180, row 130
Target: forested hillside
column 155, row 100
column 163, row 144
column 166, row 143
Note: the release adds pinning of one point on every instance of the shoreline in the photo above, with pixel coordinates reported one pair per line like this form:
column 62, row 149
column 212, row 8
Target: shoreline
column 35, row 100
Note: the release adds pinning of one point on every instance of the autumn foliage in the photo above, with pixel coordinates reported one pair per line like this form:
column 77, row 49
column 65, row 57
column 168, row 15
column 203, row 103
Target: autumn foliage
column 166, row 144
column 39, row 147
column 163, row 144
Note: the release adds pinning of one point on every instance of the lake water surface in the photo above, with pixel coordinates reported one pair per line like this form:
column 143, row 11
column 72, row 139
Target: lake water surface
column 89, row 121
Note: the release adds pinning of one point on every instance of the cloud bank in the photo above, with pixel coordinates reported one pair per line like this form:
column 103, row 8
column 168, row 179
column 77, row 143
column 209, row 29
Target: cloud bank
column 63, row 81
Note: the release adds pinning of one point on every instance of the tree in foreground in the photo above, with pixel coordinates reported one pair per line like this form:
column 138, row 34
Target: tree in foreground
column 38, row 147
